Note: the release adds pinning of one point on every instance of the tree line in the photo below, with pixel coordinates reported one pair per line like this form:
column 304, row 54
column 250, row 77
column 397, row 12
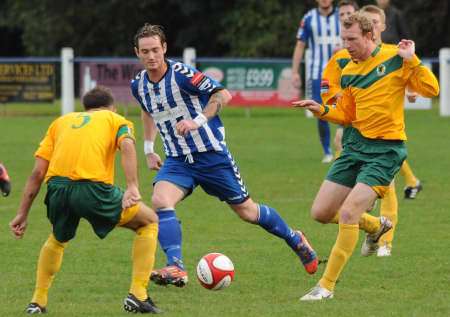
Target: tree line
column 232, row 28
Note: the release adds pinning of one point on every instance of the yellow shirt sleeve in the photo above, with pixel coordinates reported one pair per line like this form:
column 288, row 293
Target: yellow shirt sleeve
column 330, row 85
column 421, row 78
column 343, row 113
column 125, row 130
column 45, row 149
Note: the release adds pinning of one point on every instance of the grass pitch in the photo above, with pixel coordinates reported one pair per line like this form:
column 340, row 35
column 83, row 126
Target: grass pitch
column 279, row 156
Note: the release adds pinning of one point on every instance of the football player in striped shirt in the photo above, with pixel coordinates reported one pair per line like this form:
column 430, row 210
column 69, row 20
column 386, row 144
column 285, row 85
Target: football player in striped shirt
column 319, row 30
column 182, row 105
column 373, row 87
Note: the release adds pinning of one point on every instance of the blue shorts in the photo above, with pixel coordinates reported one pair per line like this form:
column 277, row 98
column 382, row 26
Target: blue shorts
column 215, row 172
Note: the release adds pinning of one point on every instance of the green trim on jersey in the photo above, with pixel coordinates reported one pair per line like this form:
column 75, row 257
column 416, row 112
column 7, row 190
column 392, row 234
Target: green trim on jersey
column 380, row 71
column 124, row 130
column 342, row 62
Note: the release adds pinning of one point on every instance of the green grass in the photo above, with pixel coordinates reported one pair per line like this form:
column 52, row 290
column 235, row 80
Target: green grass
column 279, row 156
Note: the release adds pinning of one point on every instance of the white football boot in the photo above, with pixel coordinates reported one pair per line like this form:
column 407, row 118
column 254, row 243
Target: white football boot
column 370, row 244
column 317, row 293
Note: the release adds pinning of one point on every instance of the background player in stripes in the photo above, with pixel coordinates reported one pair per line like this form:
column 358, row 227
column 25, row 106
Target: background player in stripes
column 183, row 104
column 319, row 30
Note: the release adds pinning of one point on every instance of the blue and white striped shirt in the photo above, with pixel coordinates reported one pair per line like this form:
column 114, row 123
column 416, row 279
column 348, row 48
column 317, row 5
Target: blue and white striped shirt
column 322, row 35
column 182, row 93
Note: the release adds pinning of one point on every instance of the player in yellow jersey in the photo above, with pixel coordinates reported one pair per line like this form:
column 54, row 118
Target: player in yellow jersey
column 76, row 160
column 331, row 77
column 373, row 89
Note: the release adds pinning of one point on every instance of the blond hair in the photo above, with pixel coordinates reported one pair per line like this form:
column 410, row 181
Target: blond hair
column 370, row 8
column 365, row 25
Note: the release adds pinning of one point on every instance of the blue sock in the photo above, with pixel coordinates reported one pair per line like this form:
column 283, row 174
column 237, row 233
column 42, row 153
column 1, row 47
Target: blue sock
column 324, row 134
column 169, row 237
column 270, row 220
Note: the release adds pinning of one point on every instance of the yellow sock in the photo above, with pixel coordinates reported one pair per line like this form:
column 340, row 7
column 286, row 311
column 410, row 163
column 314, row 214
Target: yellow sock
column 341, row 252
column 144, row 248
column 410, row 178
column 49, row 263
column 337, row 153
column 369, row 223
column 389, row 209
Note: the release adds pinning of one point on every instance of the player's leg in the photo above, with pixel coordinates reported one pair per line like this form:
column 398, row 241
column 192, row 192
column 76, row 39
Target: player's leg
column 64, row 224
column 388, row 209
column 144, row 221
column 322, row 126
column 353, row 207
column 413, row 184
column 165, row 197
column 172, row 183
column 328, row 200
column 271, row 221
column 49, row 263
column 223, row 180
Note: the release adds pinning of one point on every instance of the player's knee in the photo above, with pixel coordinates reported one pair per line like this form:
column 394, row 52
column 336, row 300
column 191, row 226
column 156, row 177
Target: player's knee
column 159, row 200
column 148, row 215
column 319, row 214
column 346, row 216
column 247, row 211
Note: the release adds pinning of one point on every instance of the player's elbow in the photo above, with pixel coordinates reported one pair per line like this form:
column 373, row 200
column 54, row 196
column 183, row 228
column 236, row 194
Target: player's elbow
column 226, row 96
column 435, row 91
column 39, row 170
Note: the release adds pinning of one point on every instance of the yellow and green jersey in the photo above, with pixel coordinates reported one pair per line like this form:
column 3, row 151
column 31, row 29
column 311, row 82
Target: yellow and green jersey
column 82, row 145
column 373, row 91
column 331, row 78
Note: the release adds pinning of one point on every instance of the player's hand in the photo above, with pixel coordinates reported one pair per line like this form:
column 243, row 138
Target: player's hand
column 131, row 197
column 311, row 105
column 296, row 80
column 185, row 126
column 18, row 226
column 412, row 96
column 406, row 49
column 153, row 161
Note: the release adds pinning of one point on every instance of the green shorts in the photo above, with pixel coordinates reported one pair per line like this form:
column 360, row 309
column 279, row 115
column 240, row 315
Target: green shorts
column 368, row 161
column 68, row 201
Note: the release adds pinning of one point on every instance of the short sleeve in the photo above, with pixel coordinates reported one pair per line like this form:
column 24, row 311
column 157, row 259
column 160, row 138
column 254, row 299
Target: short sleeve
column 194, row 81
column 45, row 149
column 125, row 129
column 304, row 30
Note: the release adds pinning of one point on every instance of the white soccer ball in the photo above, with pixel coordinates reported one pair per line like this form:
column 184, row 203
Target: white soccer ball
column 215, row 271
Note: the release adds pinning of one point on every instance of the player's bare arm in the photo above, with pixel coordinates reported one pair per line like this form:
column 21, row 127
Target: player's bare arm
column 311, row 105
column 296, row 60
column 19, row 224
column 215, row 104
column 129, row 164
column 218, row 100
column 154, row 161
